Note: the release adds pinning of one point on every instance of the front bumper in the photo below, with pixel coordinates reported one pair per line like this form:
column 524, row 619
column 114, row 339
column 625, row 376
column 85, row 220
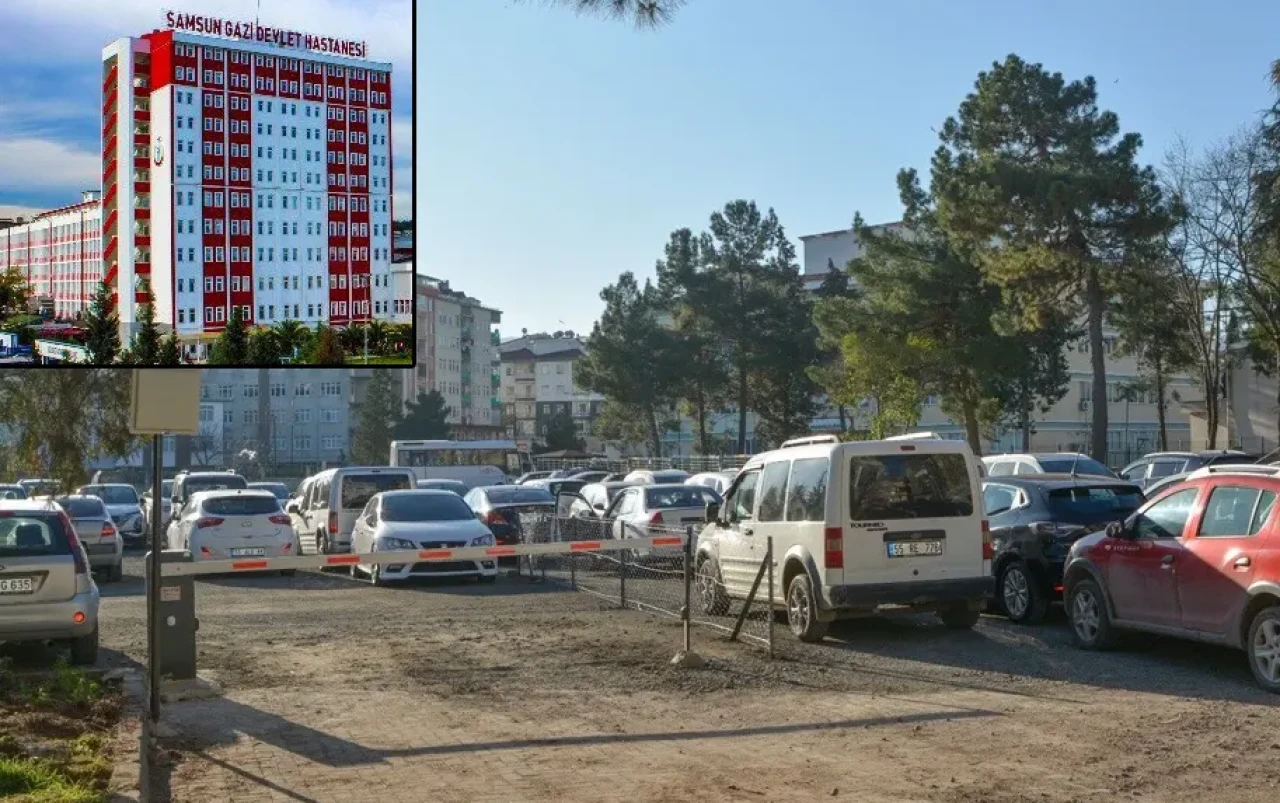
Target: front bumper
column 50, row 621
column 912, row 594
column 448, row 568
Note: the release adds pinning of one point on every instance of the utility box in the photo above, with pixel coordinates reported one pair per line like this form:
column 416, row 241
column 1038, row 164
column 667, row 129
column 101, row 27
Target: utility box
column 176, row 620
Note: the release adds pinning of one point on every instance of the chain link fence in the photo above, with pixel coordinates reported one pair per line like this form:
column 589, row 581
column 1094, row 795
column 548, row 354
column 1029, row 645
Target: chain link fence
column 694, row 464
column 663, row 581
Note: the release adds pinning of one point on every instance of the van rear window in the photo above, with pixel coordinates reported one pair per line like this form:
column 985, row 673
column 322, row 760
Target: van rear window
column 32, row 535
column 358, row 489
column 909, row 486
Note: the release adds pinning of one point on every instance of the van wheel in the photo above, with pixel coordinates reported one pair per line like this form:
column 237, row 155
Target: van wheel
column 802, row 611
column 1021, row 597
column 960, row 617
column 322, row 544
column 1091, row 627
column 84, row 650
column 711, row 593
column 1264, row 648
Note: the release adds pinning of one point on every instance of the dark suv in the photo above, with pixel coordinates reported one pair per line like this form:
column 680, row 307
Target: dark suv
column 1201, row 562
column 1034, row 520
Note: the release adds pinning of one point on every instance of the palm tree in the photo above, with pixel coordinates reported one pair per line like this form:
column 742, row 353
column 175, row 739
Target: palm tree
column 377, row 337
column 292, row 336
column 644, row 13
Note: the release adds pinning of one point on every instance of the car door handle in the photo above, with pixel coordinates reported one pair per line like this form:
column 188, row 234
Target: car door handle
column 1243, row 563
column 747, row 531
column 1167, row 560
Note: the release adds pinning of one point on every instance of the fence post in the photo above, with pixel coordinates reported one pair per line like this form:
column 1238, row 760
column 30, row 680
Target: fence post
column 768, row 608
column 686, row 613
column 622, row 577
column 573, row 570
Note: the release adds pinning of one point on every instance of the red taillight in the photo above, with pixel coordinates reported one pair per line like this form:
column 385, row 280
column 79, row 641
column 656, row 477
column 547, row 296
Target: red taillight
column 77, row 551
column 494, row 517
column 988, row 551
column 333, row 522
column 209, row 522
column 108, row 531
column 833, row 547
column 281, row 520
column 655, row 520
column 288, row 547
column 204, row 550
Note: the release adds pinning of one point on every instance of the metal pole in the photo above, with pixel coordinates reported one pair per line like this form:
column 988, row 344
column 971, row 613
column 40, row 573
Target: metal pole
column 153, row 577
column 687, row 612
column 622, row 578
column 768, row 608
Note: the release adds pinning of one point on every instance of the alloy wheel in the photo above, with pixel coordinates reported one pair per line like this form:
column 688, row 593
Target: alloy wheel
column 1266, row 650
column 1085, row 616
column 1015, row 592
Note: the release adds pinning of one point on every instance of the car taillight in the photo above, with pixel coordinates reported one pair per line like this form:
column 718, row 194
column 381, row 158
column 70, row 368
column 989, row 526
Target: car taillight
column 204, row 550
column 73, row 540
column 833, row 547
column 988, row 551
column 281, row 520
column 655, row 520
column 108, row 531
column 494, row 517
column 209, row 522
column 333, row 522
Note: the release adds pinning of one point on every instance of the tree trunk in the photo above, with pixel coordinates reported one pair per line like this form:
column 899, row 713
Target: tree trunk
column 742, row 410
column 700, row 405
column 1211, row 412
column 1098, row 362
column 972, row 432
column 1024, row 423
column 844, row 420
column 1160, row 408
column 655, row 439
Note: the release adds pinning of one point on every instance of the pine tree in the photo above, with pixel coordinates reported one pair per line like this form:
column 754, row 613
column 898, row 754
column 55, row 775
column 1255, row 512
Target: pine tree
column 425, row 418
column 264, row 348
column 146, row 343
column 326, row 348
column 102, row 325
column 232, row 345
column 376, row 420
column 170, row 352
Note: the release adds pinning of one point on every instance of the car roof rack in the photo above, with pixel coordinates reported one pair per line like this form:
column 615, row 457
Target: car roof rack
column 916, row 436
column 1241, row 468
column 810, row 440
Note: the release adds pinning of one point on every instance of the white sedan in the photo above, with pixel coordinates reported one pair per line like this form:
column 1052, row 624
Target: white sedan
column 416, row 520
column 232, row 524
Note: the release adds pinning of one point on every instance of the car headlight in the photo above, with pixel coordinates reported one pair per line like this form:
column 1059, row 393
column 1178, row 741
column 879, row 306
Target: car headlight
column 483, row 540
column 391, row 544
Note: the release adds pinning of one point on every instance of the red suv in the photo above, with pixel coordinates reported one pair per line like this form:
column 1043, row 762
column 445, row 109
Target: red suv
column 1200, row 561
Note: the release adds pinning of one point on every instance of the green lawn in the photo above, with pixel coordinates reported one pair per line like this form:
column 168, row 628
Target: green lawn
column 380, row 361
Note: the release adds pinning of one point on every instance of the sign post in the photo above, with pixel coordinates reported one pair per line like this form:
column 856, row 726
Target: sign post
column 163, row 402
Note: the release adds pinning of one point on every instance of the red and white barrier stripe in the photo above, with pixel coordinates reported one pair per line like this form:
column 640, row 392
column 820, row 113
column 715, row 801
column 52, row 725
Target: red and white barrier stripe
column 415, row 556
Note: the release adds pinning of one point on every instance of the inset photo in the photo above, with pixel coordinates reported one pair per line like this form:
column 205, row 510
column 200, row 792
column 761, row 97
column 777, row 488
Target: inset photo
column 225, row 185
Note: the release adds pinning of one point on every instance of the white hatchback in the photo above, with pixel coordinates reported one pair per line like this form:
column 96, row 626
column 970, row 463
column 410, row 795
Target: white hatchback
column 233, row 524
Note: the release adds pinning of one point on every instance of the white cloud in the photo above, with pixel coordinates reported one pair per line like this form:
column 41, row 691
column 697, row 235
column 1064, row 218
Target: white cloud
column 39, row 164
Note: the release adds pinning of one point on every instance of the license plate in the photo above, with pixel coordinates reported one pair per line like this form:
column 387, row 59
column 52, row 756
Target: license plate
column 249, row 552
column 17, row 585
column 912, row 549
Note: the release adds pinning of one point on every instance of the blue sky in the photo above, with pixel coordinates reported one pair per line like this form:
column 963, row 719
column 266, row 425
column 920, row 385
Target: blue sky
column 50, row 85
column 558, row 151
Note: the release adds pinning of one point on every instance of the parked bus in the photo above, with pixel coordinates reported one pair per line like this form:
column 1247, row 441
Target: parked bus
column 476, row 463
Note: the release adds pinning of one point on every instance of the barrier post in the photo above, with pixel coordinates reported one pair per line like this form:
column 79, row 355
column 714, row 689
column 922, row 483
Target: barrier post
column 768, row 608
column 153, row 578
column 573, row 570
column 686, row 613
column 622, row 578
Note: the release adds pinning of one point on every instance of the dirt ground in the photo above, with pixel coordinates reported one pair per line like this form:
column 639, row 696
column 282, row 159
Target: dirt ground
column 515, row 692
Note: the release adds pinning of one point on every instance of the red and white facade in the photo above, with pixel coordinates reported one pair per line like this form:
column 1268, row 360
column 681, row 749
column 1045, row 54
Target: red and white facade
column 60, row 254
column 243, row 174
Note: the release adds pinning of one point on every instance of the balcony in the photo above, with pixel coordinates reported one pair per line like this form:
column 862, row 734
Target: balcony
column 495, row 338
column 466, row 376
column 466, row 400
column 495, row 401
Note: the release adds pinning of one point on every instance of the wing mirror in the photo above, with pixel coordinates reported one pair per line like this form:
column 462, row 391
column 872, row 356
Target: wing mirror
column 1116, row 529
column 711, row 513
column 292, row 507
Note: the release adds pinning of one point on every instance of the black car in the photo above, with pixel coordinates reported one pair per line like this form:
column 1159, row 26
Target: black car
column 513, row 512
column 1034, row 521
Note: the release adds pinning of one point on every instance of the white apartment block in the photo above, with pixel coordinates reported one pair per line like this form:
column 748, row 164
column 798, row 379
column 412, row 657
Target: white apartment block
column 59, row 252
column 538, row 383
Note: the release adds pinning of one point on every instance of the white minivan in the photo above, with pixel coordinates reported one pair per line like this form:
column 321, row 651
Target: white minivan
column 857, row 527
column 331, row 501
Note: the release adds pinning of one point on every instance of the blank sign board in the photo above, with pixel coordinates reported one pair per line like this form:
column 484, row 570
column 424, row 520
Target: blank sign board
column 165, row 402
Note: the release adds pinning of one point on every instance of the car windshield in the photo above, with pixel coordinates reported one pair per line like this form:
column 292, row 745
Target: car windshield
column 679, row 496
column 32, row 534
column 1094, row 504
column 358, row 489
column 669, row 477
column 278, row 489
column 567, row 486
column 1075, row 465
column 909, row 486
column 112, row 494
column 241, row 506
column 84, row 508
column 40, row 488
column 13, row 492
column 227, row 482
column 425, row 507
column 517, row 495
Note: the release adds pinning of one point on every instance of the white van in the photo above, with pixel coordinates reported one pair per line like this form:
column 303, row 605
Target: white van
column 332, row 500
column 856, row 527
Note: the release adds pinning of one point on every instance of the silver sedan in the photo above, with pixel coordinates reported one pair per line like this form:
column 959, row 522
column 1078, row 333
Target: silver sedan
column 421, row 519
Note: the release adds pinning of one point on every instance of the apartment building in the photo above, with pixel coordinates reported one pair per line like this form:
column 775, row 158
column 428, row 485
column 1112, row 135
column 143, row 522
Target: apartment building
column 457, row 356
column 1132, row 414
column 59, row 252
column 538, row 383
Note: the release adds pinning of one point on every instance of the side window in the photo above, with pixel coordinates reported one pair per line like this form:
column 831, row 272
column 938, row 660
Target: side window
column 742, row 498
column 1167, row 518
column 1024, row 467
column 370, row 509
column 1234, row 511
column 626, row 504
column 773, row 490
column 1000, row 468
column 807, row 490
column 321, row 498
column 997, row 499
column 1166, row 468
column 1137, row 471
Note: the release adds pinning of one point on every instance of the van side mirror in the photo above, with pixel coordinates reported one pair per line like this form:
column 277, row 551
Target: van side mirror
column 292, row 507
column 711, row 513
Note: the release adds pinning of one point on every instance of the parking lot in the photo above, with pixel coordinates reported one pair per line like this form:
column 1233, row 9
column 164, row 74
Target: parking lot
column 450, row 691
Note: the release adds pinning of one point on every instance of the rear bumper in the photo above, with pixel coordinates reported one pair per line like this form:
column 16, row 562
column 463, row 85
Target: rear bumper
column 919, row 593
column 49, row 621
column 98, row 559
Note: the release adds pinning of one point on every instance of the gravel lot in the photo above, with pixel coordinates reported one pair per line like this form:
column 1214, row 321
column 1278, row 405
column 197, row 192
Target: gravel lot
column 457, row 691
